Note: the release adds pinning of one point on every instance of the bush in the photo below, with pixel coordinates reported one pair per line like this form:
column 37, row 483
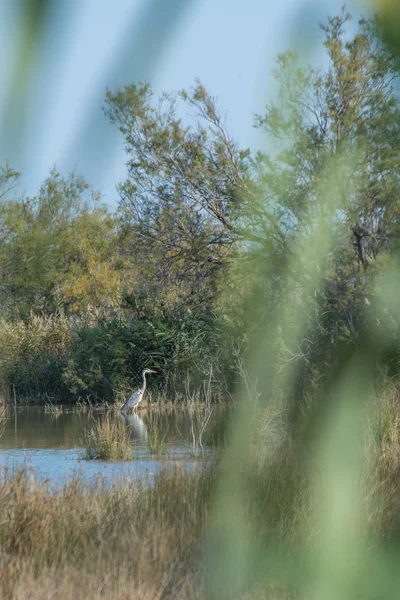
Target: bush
column 108, row 355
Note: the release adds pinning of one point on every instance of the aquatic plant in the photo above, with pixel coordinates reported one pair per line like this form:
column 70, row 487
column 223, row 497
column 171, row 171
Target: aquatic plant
column 3, row 418
column 157, row 436
column 107, row 438
column 200, row 418
column 50, row 408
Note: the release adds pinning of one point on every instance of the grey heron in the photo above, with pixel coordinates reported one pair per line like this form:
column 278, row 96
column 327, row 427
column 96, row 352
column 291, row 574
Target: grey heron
column 135, row 398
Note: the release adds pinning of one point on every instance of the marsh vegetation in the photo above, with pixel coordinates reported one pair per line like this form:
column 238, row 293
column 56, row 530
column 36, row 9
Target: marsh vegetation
column 107, row 438
column 268, row 280
column 149, row 538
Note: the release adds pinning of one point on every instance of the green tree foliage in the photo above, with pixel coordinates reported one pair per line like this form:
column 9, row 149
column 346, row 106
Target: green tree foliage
column 182, row 200
column 57, row 249
column 8, row 180
column 335, row 132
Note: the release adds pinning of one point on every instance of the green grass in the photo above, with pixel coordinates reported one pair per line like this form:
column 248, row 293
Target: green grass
column 107, row 438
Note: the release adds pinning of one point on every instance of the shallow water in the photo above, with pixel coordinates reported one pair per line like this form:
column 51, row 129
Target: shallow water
column 51, row 445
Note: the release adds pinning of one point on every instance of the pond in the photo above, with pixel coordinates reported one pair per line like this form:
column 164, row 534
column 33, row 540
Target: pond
column 49, row 441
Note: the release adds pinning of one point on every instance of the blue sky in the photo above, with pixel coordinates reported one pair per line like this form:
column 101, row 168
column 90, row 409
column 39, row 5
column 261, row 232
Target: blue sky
column 88, row 45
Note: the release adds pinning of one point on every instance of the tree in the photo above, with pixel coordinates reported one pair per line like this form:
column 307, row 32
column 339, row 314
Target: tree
column 181, row 204
column 8, row 181
column 56, row 249
column 337, row 132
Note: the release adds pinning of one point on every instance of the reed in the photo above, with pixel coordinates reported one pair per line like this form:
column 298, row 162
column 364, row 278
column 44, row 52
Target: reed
column 128, row 540
column 107, row 438
column 3, row 417
column 52, row 409
column 157, row 437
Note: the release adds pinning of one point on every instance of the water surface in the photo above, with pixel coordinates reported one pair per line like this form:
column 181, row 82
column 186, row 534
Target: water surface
column 50, row 442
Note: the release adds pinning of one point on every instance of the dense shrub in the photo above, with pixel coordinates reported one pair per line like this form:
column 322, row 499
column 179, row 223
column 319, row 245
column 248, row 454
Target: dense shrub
column 109, row 355
column 101, row 356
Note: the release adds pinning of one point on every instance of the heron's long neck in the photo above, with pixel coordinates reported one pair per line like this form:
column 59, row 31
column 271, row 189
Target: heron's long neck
column 144, row 382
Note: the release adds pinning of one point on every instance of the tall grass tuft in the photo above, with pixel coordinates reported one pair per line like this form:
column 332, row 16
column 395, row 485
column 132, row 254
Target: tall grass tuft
column 3, row 417
column 156, row 439
column 107, row 439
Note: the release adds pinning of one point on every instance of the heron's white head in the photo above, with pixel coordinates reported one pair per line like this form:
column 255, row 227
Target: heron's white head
column 145, row 371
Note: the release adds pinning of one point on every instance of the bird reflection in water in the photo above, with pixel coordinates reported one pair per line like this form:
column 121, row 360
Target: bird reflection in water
column 136, row 425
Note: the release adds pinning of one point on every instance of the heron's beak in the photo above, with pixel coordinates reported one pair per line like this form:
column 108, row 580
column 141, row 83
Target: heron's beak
column 151, row 371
